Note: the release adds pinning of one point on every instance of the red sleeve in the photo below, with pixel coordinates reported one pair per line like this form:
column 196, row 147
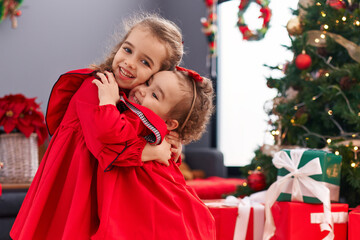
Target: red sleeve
column 61, row 94
column 109, row 135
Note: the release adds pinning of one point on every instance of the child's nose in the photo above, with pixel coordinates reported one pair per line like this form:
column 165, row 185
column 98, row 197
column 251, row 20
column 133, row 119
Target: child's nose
column 142, row 91
column 130, row 62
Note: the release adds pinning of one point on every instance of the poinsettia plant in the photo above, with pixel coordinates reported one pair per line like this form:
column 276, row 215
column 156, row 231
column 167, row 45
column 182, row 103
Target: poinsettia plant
column 21, row 114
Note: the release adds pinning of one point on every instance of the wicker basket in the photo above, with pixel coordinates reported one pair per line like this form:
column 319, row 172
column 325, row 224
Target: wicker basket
column 19, row 156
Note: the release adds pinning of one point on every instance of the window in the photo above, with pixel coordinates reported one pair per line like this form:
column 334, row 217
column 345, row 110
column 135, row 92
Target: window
column 242, row 91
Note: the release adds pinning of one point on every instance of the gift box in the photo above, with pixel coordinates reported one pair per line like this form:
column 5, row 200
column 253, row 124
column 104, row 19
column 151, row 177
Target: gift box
column 299, row 221
column 354, row 224
column 239, row 219
column 304, row 176
column 329, row 176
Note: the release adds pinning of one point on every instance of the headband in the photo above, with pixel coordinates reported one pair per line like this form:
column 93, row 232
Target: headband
column 197, row 78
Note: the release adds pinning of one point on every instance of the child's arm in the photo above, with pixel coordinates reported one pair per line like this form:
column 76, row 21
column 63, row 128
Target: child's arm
column 160, row 153
column 176, row 145
column 136, row 150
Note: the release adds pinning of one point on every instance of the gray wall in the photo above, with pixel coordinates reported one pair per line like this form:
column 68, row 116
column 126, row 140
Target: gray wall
column 57, row 36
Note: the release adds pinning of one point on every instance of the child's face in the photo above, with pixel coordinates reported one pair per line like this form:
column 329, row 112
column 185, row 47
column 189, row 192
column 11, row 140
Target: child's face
column 138, row 58
column 160, row 94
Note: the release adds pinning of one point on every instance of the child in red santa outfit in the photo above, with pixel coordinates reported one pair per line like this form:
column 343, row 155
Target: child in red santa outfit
column 61, row 202
column 150, row 201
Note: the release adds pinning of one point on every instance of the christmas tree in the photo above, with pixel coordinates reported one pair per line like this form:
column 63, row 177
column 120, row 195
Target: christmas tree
column 318, row 98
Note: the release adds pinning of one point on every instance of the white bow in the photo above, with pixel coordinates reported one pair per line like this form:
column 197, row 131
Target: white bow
column 299, row 178
column 244, row 206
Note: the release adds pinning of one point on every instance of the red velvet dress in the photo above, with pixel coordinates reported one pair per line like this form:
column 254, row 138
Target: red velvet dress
column 91, row 181
column 150, row 201
column 61, row 202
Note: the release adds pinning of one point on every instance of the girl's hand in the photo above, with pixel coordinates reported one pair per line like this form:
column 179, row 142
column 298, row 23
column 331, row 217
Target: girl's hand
column 108, row 90
column 176, row 146
column 160, row 153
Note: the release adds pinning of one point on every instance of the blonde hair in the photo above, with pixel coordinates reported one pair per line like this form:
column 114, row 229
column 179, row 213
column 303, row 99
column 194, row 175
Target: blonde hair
column 163, row 29
column 202, row 110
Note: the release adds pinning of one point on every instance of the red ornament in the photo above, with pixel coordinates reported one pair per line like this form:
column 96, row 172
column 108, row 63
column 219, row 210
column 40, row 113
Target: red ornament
column 256, row 181
column 303, row 61
column 337, row 4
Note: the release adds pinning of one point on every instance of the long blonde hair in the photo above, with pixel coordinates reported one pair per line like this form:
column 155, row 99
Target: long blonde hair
column 163, row 29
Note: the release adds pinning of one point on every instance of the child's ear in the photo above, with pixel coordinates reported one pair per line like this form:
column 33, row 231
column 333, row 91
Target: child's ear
column 171, row 124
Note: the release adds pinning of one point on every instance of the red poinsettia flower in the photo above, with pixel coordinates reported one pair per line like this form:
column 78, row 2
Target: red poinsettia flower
column 266, row 15
column 245, row 31
column 22, row 114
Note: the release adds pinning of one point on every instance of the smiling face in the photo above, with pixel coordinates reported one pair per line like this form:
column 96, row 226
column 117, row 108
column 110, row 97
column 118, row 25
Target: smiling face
column 160, row 94
column 138, row 58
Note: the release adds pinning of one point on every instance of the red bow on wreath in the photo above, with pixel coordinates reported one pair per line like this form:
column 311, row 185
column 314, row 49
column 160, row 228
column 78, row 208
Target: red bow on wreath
column 194, row 75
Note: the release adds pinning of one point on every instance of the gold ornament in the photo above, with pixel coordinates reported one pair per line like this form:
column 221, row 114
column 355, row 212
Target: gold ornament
column 294, row 26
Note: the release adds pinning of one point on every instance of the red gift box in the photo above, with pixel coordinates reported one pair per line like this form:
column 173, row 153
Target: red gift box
column 354, row 224
column 225, row 219
column 293, row 221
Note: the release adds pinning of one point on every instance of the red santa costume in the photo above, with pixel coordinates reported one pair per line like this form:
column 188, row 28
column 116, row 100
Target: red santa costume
column 91, row 182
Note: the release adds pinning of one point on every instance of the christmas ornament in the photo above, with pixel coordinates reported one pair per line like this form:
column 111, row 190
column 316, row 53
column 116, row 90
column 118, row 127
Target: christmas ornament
column 294, row 26
column 303, row 61
column 209, row 25
column 291, row 93
column 265, row 14
column 256, row 181
column 9, row 8
column 346, row 83
column 337, row 4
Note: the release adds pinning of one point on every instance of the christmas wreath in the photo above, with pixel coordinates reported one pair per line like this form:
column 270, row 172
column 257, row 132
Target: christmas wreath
column 265, row 14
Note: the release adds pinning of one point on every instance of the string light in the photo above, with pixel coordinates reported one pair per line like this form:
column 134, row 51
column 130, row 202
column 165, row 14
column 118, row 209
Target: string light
column 322, row 36
column 328, row 140
column 353, row 164
column 327, row 74
column 258, row 168
column 313, row 98
column 326, row 26
column 337, row 21
column 355, row 150
column 295, row 108
column 318, row 4
column 317, row 40
column 244, row 184
column 323, row 14
column 337, row 152
column 281, row 67
column 330, row 112
column 357, row 23
column 343, row 18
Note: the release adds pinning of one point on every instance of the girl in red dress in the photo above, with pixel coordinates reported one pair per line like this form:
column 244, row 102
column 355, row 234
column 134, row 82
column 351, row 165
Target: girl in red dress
column 61, row 202
column 150, row 201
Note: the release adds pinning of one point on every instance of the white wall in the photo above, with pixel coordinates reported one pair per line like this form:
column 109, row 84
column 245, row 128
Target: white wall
column 54, row 37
